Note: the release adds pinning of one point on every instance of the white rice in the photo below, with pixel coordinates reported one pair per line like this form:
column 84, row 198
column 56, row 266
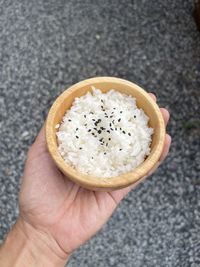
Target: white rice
column 119, row 147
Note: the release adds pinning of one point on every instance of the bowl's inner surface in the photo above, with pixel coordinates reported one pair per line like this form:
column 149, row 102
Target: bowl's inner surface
column 141, row 101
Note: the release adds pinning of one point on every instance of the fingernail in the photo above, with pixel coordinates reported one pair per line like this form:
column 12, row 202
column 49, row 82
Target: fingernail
column 154, row 94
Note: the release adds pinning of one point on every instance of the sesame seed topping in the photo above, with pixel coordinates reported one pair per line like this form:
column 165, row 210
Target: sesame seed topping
column 93, row 119
column 129, row 134
column 89, row 130
column 77, row 137
column 123, row 132
column 80, row 148
column 108, row 131
column 109, row 139
column 121, row 112
column 110, row 125
column 104, row 153
column 134, row 116
column 69, row 120
column 84, row 116
column 76, row 129
column 111, row 129
column 119, row 120
column 120, row 149
column 99, row 131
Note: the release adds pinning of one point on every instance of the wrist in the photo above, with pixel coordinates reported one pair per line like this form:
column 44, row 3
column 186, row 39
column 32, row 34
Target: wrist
column 26, row 246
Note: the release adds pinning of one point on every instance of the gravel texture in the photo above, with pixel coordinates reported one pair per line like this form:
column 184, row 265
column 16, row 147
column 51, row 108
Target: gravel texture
column 45, row 46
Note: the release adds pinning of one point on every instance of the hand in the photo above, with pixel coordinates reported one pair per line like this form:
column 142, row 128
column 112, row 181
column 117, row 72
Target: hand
column 56, row 215
column 54, row 205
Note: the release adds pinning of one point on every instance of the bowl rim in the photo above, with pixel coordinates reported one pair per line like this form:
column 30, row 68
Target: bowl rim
column 99, row 183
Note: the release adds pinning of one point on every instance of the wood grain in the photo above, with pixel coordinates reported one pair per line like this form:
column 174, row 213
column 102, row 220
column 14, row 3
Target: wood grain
column 144, row 101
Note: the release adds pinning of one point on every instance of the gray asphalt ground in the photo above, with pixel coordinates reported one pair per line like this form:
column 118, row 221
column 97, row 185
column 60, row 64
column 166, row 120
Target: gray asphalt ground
column 45, row 46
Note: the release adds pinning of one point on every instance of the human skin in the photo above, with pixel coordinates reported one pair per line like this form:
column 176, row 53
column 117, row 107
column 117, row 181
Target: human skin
column 57, row 215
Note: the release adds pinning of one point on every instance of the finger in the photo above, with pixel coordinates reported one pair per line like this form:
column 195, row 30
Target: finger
column 41, row 136
column 166, row 147
column 153, row 96
column 165, row 114
column 39, row 146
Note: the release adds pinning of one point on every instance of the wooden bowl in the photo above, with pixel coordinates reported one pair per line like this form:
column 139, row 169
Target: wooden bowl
column 144, row 101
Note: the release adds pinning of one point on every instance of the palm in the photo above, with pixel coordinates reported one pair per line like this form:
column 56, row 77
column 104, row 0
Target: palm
column 49, row 201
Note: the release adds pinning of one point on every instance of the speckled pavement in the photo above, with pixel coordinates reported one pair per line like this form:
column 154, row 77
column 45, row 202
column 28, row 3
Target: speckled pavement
column 45, row 46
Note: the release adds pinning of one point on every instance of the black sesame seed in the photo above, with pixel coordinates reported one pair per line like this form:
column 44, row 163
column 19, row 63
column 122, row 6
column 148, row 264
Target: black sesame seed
column 92, row 133
column 106, row 116
column 109, row 139
column 95, row 129
column 93, row 119
column 121, row 112
column 119, row 120
column 92, row 158
column 104, row 153
column 102, row 100
column 69, row 120
column 85, row 124
column 112, row 112
column 100, row 140
column 99, row 131
column 76, row 129
column 129, row 134
column 115, row 129
column 108, row 131
column 113, row 121
column 77, row 137
column 110, row 125
column 114, row 108
column 120, row 128
column 106, row 144
column 89, row 130
column 134, row 116
column 80, row 147
column 111, row 129
column 123, row 132
column 101, row 106
column 84, row 116
column 120, row 149
column 111, row 116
